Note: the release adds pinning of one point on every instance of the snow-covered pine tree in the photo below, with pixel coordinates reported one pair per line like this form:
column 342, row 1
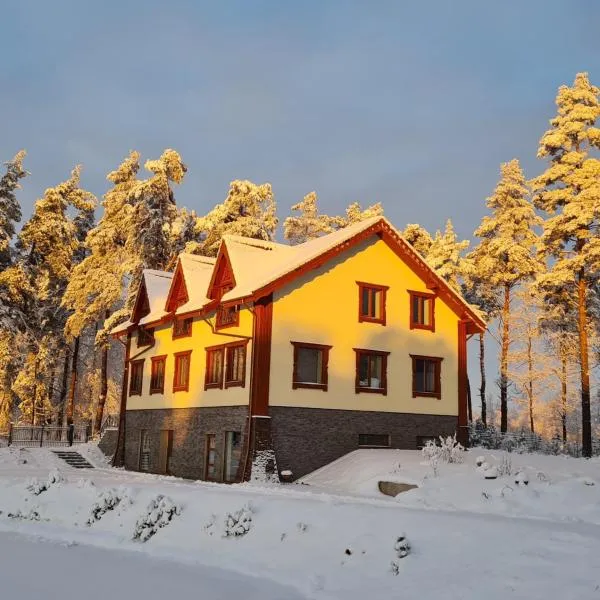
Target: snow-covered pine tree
column 569, row 191
column 249, row 210
column 355, row 213
column 418, row 237
column 504, row 258
column 10, row 209
column 96, row 285
column 47, row 248
column 445, row 255
column 309, row 224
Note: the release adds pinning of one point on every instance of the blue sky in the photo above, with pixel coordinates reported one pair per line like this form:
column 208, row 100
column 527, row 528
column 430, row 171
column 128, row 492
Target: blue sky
column 414, row 104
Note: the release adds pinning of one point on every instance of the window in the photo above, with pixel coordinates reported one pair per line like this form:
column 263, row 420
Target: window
column 181, row 377
column 145, row 337
column 371, row 371
column 426, row 376
column 371, row 302
column 157, row 375
column 374, row 440
column 144, row 462
column 165, row 450
column 210, row 465
column 422, row 311
column 137, row 377
column 235, row 371
column 215, row 357
column 182, row 327
column 226, row 316
column 226, row 365
column 233, row 454
column 310, row 366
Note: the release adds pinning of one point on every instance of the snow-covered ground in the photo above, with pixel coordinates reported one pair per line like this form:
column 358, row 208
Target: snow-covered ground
column 332, row 537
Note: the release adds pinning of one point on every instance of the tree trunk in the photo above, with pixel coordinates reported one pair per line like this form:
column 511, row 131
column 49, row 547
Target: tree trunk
column 34, row 394
column 71, row 401
column 504, row 361
column 563, row 394
column 119, row 457
column 530, row 379
column 103, row 390
column 482, row 371
column 63, row 387
column 586, row 422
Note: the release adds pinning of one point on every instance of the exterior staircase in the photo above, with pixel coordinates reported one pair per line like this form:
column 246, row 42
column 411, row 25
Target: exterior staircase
column 73, row 459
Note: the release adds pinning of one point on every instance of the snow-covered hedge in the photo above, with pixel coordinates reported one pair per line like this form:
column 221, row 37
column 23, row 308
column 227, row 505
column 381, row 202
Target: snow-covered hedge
column 238, row 523
column 159, row 514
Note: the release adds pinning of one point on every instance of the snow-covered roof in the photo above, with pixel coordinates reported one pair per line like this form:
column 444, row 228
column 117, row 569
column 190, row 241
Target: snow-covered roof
column 197, row 271
column 158, row 284
column 257, row 264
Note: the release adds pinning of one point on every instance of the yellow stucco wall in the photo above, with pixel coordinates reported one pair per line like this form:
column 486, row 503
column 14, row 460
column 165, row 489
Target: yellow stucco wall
column 202, row 336
column 322, row 308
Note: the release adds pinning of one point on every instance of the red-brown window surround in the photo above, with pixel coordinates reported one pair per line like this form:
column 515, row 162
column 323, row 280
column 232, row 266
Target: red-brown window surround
column 182, row 327
column 414, row 318
column 235, row 377
column 434, row 361
column 226, row 317
column 157, row 384
column 137, row 377
column 323, row 383
column 382, row 389
column 181, row 358
column 215, row 359
column 372, row 290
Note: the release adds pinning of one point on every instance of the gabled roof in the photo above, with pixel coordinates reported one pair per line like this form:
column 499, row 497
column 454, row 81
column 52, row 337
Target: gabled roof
column 257, row 268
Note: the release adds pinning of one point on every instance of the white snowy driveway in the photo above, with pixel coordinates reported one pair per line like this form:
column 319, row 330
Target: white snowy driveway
column 31, row 569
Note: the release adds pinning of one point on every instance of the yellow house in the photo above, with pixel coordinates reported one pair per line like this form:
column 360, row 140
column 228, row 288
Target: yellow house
column 279, row 359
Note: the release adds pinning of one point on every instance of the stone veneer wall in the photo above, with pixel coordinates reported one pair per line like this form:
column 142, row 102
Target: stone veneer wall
column 190, row 426
column 306, row 439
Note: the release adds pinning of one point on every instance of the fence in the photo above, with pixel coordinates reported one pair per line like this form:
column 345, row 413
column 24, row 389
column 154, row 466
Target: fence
column 47, row 435
column 109, row 422
column 525, row 441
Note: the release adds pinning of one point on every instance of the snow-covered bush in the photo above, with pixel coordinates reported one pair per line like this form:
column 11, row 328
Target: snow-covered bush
column 491, row 473
column 159, row 514
column 107, row 500
column 32, row 515
column 521, row 478
column 448, row 450
column 36, row 486
column 239, row 523
column 480, row 460
column 402, row 550
column 505, row 467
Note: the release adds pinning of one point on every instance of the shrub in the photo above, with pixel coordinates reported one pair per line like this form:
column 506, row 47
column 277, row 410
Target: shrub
column 107, row 500
column 239, row 523
column 159, row 514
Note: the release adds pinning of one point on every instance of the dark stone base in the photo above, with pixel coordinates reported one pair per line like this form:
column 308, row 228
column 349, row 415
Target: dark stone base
column 190, row 426
column 108, row 442
column 306, row 439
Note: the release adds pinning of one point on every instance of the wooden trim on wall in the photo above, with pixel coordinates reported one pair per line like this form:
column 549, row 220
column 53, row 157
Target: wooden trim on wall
column 261, row 356
column 413, row 324
column 154, row 361
column 177, row 356
column 324, row 348
column 438, row 377
column 462, row 433
column 382, row 302
column 359, row 389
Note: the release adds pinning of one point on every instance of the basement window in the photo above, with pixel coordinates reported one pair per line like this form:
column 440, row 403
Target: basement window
column 374, row 440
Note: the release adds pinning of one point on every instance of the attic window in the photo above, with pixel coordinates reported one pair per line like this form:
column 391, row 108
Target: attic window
column 145, row 337
column 227, row 316
column 371, row 303
column 182, row 327
column 422, row 311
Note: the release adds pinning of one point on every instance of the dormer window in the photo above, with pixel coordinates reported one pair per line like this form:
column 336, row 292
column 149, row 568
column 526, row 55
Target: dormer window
column 182, row 327
column 145, row 337
column 226, row 316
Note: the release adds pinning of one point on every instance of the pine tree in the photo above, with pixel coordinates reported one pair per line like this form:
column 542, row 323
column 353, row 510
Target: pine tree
column 309, row 224
column 355, row 213
column 10, row 210
column 419, row 238
column 445, row 255
column 504, row 258
column 249, row 210
column 569, row 191
column 47, row 245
